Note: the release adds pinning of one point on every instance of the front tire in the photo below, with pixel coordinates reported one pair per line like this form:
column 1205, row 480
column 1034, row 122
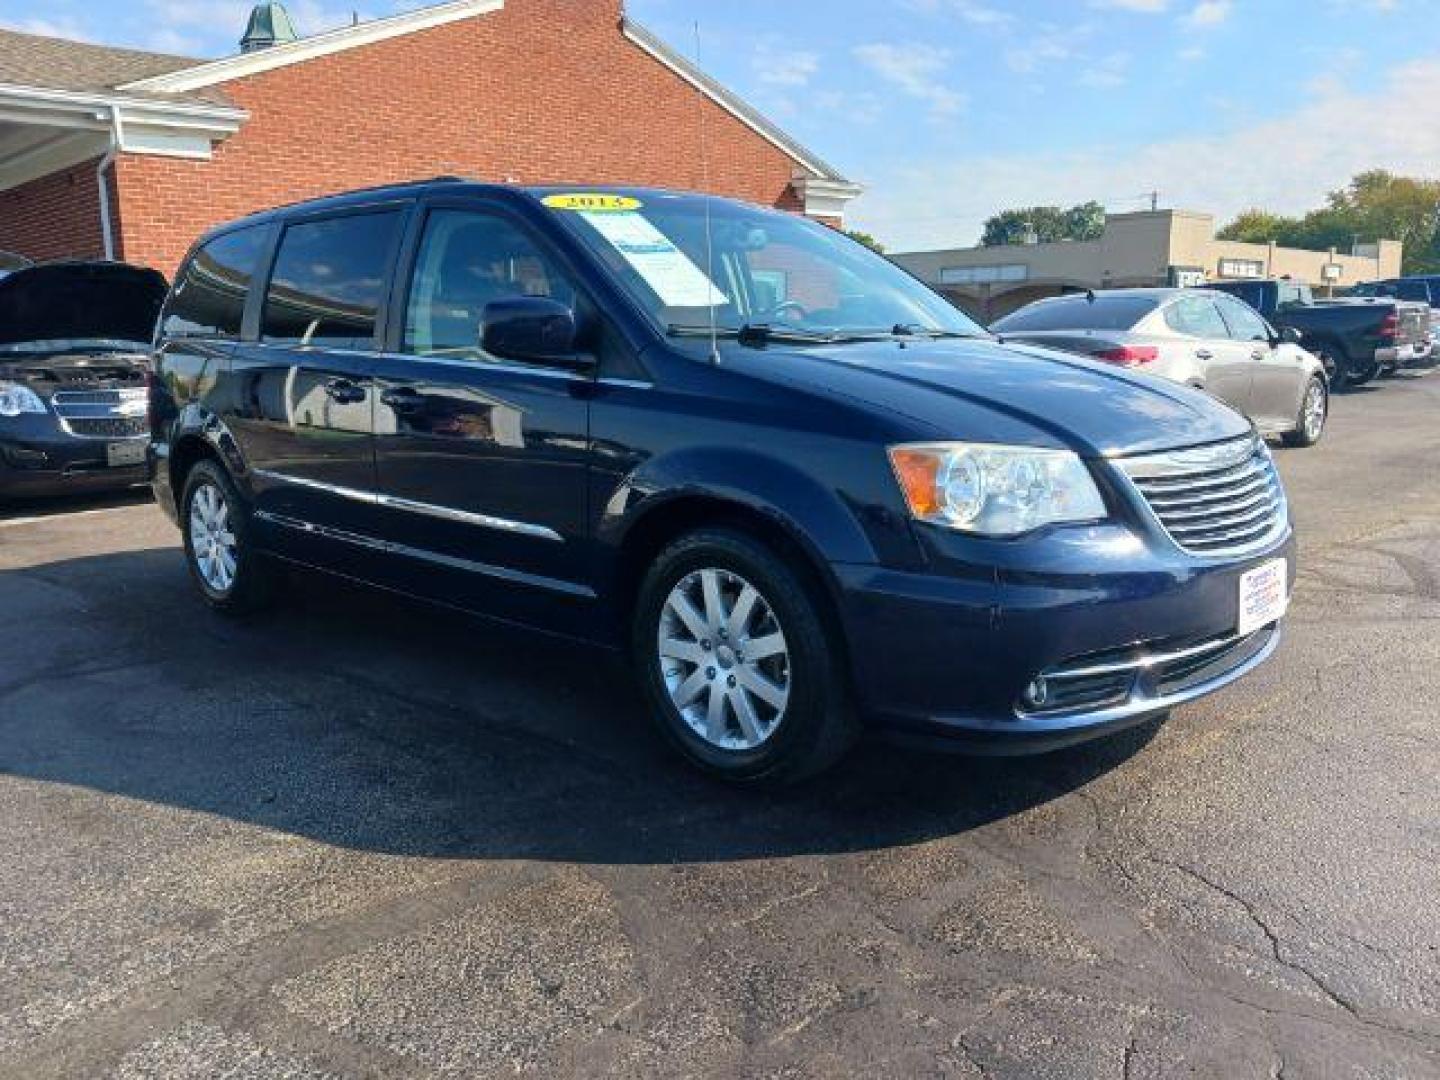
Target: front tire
column 1314, row 413
column 736, row 663
column 215, row 524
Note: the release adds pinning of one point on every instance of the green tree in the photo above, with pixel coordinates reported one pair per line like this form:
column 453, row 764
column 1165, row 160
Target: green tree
column 1047, row 223
column 866, row 239
column 1259, row 227
column 1375, row 205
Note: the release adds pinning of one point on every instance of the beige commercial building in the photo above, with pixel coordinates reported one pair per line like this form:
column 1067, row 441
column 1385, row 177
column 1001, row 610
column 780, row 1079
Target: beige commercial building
column 1153, row 247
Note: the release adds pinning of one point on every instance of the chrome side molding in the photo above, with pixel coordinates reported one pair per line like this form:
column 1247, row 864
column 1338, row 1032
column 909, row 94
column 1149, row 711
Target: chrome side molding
column 444, row 513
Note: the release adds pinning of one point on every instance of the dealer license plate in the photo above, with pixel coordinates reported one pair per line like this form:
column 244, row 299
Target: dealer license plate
column 1264, row 596
column 120, row 454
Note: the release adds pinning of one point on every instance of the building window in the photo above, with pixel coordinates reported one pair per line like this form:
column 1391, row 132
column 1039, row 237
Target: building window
column 1242, row 268
column 984, row 275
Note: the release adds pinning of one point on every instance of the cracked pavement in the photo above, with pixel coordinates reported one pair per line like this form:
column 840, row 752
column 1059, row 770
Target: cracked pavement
column 362, row 838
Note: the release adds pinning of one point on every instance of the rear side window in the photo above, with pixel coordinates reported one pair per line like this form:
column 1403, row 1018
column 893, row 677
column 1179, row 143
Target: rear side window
column 1244, row 322
column 1413, row 290
column 1078, row 313
column 1196, row 316
column 330, row 277
column 209, row 299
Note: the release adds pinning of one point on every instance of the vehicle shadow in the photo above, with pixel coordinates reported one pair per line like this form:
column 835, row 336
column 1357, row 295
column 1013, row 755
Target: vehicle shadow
column 58, row 506
column 366, row 722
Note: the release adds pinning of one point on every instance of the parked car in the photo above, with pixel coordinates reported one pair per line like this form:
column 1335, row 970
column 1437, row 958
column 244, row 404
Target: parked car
column 1206, row 340
column 799, row 488
column 1422, row 289
column 1356, row 340
column 74, row 346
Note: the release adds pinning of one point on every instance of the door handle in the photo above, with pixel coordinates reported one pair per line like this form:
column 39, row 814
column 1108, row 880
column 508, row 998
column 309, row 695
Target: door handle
column 1258, row 354
column 404, row 400
column 344, row 392
column 1203, row 354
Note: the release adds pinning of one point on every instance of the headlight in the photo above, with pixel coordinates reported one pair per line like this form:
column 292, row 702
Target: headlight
column 995, row 490
column 16, row 399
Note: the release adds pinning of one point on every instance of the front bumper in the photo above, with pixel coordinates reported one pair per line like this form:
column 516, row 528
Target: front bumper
column 946, row 659
column 44, row 460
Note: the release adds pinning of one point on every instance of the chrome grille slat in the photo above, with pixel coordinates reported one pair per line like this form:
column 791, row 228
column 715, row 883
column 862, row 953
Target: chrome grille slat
column 1257, row 482
column 1210, row 525
column 1244, row 500
column 1190, row 482
column 1214, row 501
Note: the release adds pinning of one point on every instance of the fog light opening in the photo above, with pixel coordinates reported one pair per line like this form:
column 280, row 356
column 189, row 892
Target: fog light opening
column 1037, row 693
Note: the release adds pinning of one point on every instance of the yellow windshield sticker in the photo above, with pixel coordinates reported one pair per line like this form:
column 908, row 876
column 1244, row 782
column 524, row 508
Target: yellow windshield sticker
column 593, row 203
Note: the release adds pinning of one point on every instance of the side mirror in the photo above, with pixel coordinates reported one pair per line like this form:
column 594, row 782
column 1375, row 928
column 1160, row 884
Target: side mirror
column 531, row 328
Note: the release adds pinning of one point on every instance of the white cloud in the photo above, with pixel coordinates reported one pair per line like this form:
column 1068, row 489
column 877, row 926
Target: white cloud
column 1040, row 49
column 980, row 14
column 1208, row 13
column 1145, row 7
column 776, row 67
column 63, row 27
column 917, row 70
column 1107, row 72
column 1286, row 164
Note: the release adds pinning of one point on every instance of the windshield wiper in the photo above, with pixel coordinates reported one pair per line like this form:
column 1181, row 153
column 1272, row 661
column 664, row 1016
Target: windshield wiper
column 753, row 333
column 916, row 330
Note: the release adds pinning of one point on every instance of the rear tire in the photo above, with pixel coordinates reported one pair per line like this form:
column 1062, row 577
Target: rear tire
column 773, row 717
column 1314, row 415
column 1336, row 363
column 215, row 523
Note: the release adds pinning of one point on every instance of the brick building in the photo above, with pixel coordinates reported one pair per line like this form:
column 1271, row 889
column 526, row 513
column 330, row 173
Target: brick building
column 131, row 155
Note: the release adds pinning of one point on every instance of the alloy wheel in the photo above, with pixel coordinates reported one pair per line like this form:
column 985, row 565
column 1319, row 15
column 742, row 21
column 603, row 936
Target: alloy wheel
column 212, row 540
column 1315, row 411
column 724, row 659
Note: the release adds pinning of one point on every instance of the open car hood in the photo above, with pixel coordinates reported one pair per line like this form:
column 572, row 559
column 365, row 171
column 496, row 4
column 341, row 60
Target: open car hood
column 80, row 302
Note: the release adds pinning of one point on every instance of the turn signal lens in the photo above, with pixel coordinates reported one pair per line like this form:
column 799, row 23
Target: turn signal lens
column 917, row 470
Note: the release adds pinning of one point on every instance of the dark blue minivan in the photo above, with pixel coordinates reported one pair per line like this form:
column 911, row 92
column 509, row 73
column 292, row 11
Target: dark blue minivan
column 801, row 491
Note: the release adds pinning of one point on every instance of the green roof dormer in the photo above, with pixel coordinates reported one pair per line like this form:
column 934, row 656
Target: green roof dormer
column 269, row 25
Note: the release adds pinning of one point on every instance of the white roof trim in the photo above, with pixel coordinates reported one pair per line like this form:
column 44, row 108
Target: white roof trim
column 184, row 113
column 311, row 48
column 642, row 38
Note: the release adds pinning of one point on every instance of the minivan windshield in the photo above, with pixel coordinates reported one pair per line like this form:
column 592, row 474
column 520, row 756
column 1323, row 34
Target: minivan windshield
column 684, row 257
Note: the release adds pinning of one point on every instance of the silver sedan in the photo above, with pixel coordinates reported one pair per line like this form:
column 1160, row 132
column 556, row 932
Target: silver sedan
column 1201, row 338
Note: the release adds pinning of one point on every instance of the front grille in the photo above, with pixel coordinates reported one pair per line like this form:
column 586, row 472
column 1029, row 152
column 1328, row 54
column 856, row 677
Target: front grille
column 1214, row 500
column 67, row 398
column 109, row 427
column 103, row 414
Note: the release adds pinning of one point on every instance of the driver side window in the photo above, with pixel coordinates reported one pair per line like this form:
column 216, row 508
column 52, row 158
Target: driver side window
column 466, row 261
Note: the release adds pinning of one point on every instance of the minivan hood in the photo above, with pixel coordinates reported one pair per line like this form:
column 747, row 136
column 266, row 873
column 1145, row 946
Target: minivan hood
column 80, row 302
column 988, row 392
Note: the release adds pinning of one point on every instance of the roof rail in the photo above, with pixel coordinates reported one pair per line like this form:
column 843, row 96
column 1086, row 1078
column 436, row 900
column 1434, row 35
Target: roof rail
column 398, row 185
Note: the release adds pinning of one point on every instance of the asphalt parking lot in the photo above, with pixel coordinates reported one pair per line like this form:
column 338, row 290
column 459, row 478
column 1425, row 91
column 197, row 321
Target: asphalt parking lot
column 360, row 838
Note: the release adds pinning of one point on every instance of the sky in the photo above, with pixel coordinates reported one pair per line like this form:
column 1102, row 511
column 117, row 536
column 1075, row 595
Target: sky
column 950, row 110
